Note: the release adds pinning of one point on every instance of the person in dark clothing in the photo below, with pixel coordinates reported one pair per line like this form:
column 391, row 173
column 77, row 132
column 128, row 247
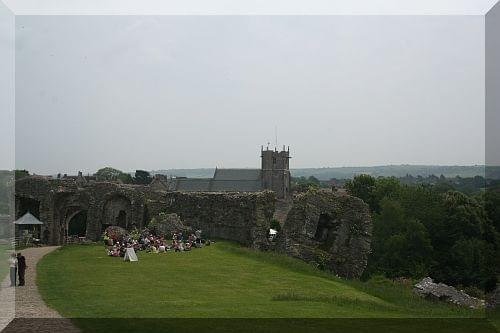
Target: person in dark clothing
column 21, row 268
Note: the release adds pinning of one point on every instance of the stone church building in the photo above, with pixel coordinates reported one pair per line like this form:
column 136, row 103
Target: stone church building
column 274, row 175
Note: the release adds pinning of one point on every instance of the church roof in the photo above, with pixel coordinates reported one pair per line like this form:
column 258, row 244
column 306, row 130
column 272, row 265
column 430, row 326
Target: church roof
column 237, row 174
column 224, row 180
column 236, row 180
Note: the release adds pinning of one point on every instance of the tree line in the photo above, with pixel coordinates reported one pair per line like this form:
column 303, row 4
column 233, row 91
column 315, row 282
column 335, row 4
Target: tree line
column 421, row 230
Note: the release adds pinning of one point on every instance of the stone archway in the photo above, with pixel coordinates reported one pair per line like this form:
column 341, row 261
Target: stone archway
column 76, row 224
column 71, row 215
column 73, row 223
column 117, row 211
column 323, row 228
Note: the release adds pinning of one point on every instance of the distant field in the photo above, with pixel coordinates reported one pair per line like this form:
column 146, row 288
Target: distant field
column 220, row 281
column 349, row 172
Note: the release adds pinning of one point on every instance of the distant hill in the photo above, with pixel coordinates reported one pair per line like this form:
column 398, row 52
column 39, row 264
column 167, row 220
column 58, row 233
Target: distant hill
column 391, row 171
column 349, row 172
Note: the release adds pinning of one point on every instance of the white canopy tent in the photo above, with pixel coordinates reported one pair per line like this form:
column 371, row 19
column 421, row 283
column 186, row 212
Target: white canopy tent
column 28, row 219
column 23, row 225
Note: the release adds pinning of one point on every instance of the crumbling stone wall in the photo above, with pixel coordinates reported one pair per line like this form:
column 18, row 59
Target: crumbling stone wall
column 321, row 227
column 330, row 230
column 242, row 217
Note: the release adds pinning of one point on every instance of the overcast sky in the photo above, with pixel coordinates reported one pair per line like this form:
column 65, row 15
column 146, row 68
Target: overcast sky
column 246, row 7
column 157, row 92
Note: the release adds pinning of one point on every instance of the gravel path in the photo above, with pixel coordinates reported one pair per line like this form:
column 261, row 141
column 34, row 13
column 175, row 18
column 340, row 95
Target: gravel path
column 31, row 313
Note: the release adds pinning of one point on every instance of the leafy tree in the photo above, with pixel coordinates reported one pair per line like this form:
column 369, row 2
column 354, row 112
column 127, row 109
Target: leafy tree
column 107, row 174
column 443, row 187
column 465, row 216
column 426, row 229
column 125, row 178
column 424, row 204
column 470, row 262
column 491, row 200
column 363, row 187
column 112, row 174
column 142, row 177
column 21, row 174
column 303, row 184
column 401, row 245
column 385, row 187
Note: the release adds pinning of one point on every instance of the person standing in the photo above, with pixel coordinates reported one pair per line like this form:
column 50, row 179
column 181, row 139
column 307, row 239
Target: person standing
column 21, row 268
column 13, row 269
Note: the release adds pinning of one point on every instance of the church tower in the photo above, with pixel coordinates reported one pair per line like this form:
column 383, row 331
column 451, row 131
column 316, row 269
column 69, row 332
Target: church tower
column 275, row 171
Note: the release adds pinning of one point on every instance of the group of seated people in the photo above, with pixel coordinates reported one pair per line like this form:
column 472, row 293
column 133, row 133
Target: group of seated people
column 151, row 243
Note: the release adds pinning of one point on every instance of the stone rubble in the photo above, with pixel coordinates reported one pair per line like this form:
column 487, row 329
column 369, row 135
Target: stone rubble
column 442, row 292
column 494, row 299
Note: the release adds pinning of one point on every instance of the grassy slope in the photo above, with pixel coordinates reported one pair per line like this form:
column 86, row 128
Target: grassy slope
column 223, row 280
column 494, row 318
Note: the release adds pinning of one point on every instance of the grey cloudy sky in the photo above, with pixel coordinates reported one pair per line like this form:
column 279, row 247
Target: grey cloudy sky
column 159, row 92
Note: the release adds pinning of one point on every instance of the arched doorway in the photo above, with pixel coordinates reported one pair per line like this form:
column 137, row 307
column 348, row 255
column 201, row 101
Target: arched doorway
column 77, row 224
column 70, row 211
column 117, row 211
column 326, row 231
column 323, row 228
column 121, row 219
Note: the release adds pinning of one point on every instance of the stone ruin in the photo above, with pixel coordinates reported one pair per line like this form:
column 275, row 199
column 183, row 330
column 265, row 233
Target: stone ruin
column 442, row 292
column 332, row 231
column 324, row 228
column 167, row 224
column 240, row 217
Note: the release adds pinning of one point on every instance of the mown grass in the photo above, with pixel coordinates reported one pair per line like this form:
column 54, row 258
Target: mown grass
column 494, row 318
column 220, row 281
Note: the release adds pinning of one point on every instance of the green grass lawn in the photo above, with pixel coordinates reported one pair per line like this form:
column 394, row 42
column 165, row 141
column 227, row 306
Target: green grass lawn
column 220, row 281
